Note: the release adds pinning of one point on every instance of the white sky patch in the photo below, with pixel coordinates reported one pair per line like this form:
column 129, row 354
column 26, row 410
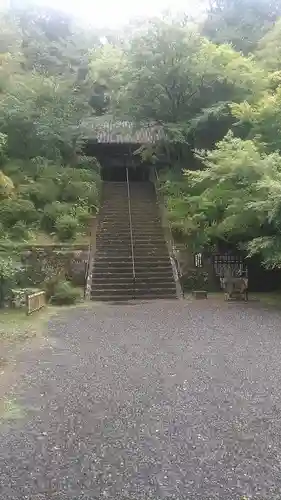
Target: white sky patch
column 113, row 13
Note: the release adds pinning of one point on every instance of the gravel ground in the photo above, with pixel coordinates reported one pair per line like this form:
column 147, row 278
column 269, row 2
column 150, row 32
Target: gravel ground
column 163, row 400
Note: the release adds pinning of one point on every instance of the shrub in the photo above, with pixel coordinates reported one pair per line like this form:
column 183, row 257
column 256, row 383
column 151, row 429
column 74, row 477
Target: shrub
column 83, row 215
column 65, row 294
column 8, row 271
column 6, row 186
column 66, row 227
column 19, row 231
column 89, row 163
column 41, row 193
column 17, row 209
column 50, row 284
column 74, row 191
column 17, row 170
column 52, row 213
column 194, row 279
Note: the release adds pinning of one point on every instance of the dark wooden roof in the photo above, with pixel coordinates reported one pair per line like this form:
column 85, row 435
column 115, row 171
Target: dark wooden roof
column 123, row 132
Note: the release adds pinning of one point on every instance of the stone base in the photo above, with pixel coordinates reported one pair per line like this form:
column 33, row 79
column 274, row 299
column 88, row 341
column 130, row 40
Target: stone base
column 200, row 294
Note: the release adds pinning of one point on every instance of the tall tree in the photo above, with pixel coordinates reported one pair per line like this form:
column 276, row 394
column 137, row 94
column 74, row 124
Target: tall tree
column 175, row 77
column 269, row 48
column 44, row 93
column 236, row 198
column 240, row 22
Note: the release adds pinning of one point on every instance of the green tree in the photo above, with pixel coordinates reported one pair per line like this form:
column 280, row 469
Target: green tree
column 269, row 49
column 177, row 78
column 241, row 23
column 106, row 71
column 44, row 98
column 262, row 119
column 236, row 198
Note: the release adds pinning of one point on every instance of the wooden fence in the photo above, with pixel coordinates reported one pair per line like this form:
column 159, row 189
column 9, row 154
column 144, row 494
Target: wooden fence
column 35, row 302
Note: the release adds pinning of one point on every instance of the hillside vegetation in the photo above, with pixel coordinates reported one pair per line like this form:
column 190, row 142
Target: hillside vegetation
column 213, row 85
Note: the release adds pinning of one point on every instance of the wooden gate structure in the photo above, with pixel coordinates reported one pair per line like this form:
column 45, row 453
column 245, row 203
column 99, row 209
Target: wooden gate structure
column 229, row 263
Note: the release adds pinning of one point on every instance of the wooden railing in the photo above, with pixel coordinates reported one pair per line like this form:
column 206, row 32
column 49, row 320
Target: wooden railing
column 35, row 302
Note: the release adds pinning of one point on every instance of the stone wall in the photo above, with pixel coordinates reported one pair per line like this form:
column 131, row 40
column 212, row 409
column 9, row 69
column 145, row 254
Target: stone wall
column 44, row 263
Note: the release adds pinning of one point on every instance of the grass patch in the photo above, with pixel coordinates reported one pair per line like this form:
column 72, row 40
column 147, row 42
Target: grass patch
column 267, row 299
column 10, row 410
column 16, row 325
column 264, row 299
column 43, row 239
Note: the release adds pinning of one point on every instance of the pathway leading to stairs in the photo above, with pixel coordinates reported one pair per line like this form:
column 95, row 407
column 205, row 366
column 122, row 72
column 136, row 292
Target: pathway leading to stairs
column 160, row 400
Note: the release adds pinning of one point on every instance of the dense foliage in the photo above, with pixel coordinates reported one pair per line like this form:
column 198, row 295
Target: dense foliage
column 45, row 184
column 213, row 86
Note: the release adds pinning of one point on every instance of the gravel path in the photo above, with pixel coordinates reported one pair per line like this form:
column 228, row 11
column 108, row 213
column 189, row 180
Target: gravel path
column 163, row 400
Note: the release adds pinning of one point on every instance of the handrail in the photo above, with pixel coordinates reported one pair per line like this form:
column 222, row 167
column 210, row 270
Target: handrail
column 91, row 254
column 131, row 225
column 90, row 262
column 168, row 237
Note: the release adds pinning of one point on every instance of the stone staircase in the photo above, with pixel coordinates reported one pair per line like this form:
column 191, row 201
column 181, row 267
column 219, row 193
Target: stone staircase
column 113, row 276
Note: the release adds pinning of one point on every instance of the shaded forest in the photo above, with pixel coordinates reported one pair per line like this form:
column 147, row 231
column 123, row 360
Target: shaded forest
column 214, row 85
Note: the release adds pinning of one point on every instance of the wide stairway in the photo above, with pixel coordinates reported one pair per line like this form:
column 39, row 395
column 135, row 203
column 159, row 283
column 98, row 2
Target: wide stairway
column 131, row 259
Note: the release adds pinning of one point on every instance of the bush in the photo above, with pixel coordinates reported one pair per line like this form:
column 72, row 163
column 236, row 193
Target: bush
column 6, row 186
column 75, row 190
column 89, row 163
column 194, row 279
column 8, row 271
column 66, row 227
column 19, row 231
column 83, row 215
column 16, row 209
column 41, row 192
column 65, row 294
column 50, row 284
column 16, row 170
column 52, row 213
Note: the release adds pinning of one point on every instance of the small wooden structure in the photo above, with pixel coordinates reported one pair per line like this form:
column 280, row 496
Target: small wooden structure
column 35, row 302
column 235, row 287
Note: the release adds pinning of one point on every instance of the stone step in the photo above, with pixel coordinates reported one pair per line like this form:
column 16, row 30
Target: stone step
column 132, row 286
column 113, row 276
column 133, row 290
column 139, row 262
column 129, row 298
column 136, row 233
column 128, row 276
column 115, row 242
column 138, row 238
column 113, row 266
column 124, row 256
column 143, row 221
column 140, row 235
column 115, row 245
column 143, row 257
column 138, row 247
column 122, row 239
column 133, row 294
column 115, row 270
